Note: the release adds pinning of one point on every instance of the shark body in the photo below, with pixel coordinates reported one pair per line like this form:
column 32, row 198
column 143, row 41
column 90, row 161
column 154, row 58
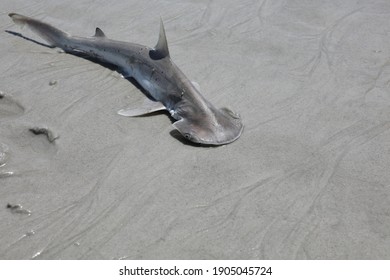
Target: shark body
column 197, row 119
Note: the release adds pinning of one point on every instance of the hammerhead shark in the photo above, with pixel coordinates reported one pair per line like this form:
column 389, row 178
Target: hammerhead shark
column 167, row 87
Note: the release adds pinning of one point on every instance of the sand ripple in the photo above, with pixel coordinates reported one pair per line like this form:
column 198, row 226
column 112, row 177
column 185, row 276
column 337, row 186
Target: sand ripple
column 9, row 107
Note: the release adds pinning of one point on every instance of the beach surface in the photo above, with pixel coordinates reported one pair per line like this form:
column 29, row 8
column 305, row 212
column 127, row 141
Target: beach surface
column 308, row 179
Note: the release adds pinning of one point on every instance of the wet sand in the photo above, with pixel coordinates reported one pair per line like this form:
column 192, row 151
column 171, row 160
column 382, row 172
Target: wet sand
column 308, row 179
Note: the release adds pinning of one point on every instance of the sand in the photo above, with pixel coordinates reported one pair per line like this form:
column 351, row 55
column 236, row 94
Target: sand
column 308, row 179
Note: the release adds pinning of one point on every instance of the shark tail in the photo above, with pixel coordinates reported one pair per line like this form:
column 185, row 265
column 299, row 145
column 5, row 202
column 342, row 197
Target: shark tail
column 52, row 35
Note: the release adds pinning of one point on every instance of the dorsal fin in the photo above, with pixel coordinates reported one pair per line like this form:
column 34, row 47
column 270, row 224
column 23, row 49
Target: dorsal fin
column 161, row 49
column 99, row 33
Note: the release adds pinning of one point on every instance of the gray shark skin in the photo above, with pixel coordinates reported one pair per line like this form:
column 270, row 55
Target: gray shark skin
column 197, row 119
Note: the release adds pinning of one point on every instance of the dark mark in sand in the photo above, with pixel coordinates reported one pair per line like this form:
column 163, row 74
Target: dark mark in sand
column 18, row 209
column 45, row 131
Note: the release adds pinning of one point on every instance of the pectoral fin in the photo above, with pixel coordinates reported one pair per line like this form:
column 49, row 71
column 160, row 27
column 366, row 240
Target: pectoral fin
column 148, row 106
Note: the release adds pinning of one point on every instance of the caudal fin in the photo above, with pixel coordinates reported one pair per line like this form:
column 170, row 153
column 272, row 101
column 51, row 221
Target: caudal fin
column 52, row 35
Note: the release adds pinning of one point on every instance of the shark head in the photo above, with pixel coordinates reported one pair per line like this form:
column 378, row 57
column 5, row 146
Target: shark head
column 223, row 127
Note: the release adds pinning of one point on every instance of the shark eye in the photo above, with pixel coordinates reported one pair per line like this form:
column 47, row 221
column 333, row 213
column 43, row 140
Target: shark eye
column 187, row 136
